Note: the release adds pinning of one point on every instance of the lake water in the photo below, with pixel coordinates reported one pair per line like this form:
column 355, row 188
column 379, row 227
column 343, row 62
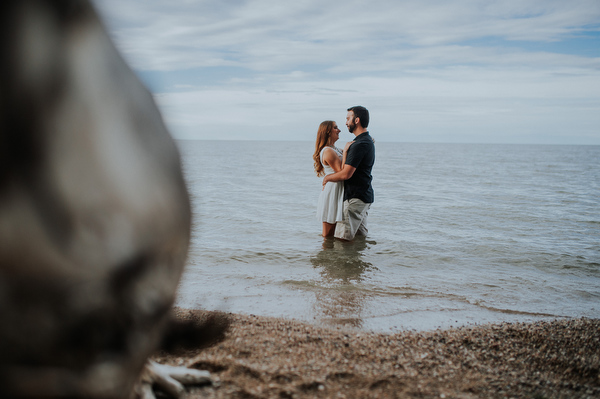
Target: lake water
column 459, row 234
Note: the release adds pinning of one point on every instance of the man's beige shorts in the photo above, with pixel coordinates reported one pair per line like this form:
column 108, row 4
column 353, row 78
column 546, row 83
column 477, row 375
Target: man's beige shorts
column 354, row 220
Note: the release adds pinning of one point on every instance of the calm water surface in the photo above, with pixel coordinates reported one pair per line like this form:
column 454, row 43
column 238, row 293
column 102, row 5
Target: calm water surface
column 459, row 234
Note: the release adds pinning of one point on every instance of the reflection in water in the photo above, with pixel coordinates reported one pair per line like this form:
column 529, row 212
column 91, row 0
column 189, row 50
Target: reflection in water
column 342, row 267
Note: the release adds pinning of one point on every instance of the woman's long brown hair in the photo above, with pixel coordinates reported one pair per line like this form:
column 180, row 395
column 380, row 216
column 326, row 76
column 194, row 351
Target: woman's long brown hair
column 323, row 135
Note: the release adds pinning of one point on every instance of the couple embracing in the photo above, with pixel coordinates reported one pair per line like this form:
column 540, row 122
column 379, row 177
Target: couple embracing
column 347, row 193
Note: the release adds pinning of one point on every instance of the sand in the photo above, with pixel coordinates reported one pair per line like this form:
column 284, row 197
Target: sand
column 275, row 358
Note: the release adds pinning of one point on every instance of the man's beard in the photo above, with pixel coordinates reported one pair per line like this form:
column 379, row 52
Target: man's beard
column 351, row 127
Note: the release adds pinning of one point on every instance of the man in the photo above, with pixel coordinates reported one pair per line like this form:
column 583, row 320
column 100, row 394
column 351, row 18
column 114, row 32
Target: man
column 356, row 174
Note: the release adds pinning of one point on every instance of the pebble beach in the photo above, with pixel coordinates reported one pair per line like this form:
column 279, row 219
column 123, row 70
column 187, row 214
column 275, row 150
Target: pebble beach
column 263, row 357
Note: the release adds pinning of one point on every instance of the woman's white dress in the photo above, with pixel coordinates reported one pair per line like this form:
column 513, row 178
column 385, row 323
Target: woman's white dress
column 329, row 208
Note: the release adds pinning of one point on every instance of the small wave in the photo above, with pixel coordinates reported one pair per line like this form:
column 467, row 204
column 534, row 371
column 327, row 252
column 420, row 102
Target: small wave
column 323, row 286
column 519, row 312
column 267, row 257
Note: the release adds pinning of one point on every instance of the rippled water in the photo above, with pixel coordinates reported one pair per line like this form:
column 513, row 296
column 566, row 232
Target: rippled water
column 459, row 234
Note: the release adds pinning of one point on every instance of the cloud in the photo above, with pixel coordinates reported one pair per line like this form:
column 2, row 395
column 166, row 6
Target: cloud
column 271, row 35
column 445, row 70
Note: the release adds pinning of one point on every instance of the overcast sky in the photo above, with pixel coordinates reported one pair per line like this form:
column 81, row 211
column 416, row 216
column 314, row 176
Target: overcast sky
column 523, row 71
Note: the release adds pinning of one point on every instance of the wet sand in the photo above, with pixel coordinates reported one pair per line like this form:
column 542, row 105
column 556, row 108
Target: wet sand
column 276, row 358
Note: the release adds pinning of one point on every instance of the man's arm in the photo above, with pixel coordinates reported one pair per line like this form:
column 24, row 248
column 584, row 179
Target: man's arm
column 344, row 174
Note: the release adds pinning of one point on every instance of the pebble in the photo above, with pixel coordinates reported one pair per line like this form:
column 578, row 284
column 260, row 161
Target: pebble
column 271, row 358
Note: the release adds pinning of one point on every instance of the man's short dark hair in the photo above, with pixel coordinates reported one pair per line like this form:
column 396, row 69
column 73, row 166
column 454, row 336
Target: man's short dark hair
column 361, row 113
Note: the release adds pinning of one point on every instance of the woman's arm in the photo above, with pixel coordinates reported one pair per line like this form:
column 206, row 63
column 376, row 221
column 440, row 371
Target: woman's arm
column 331, row 158
column 348, row 144
column 345, row 172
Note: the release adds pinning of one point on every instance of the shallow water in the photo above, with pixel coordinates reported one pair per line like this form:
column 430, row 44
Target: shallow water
column 458, row 234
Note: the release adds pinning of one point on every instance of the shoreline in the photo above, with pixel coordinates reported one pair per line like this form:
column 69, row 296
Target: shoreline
column 265, row 357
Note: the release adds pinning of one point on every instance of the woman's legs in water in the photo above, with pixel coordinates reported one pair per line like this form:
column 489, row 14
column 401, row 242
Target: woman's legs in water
column 328, row 229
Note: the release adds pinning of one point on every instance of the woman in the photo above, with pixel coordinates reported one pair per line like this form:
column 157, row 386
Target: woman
column 329, row 159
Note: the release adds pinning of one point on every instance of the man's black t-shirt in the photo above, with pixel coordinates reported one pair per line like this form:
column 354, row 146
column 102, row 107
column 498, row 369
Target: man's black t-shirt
column 361, row 155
